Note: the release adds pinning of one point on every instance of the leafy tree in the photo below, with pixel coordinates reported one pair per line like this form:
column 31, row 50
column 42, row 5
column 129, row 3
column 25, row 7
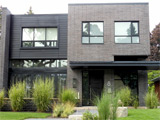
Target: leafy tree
column 30, row 12
column 155, row 44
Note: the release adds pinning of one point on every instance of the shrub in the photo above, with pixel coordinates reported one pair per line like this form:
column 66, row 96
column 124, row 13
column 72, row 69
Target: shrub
column 107, row 106
column 69, row 95
column 2, row 93
column 63, row 110
column 151, row 99
column 43, row 91
column 125, row 96
column 16, row 94
column 89, row 116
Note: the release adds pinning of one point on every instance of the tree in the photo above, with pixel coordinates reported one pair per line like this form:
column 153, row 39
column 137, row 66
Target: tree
column 155, row 44
column 30, row 12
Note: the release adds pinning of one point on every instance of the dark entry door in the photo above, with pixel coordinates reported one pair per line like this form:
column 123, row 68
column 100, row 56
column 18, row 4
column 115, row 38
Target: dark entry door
column 96, row 79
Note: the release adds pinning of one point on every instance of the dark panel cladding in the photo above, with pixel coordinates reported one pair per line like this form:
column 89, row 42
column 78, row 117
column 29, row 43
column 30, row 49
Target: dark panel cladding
column 55, row 20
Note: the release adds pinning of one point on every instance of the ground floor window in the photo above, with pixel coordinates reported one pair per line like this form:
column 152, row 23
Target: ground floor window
column 128, row 78
column 29, row 78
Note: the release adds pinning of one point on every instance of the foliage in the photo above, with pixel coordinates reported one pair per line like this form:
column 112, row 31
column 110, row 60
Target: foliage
column 89, row 116
column 30, row 12
column 2, row 93
column 155, row 44
column 151, row 99
column 107, row 106
column 22, row 115
column 43, row 91
column 152, row 74
column 63, row 109
column 125, row 96
column 69, row 95
column 135, row 103
column 16, row 94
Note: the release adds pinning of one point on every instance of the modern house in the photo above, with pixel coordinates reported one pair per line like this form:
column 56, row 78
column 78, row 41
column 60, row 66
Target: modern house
column 93, row 47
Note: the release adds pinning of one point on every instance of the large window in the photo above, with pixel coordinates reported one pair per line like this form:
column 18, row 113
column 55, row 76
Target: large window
column 92, row 32
column 38, row 63
column 126, row 32
column 39, row 37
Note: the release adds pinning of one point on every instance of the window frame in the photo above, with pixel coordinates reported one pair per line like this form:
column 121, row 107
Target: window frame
column 45, row 41
column 89, row 32
column 127, row 35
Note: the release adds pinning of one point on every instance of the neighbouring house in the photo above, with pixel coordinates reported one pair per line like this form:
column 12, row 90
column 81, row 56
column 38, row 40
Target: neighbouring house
column 156, row 82
column 93, row 47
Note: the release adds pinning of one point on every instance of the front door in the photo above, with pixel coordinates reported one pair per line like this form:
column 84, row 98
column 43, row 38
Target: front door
column 92, row 85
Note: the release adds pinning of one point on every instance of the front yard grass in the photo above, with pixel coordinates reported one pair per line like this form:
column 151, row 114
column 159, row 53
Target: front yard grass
column 142, row 114
column 22, row 115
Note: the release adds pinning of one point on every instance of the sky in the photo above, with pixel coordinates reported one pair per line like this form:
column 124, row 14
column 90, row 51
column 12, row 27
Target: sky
column 61, row 6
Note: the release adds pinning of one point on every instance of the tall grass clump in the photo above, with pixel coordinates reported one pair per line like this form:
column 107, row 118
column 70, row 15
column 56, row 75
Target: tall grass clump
column 16, row 94
column 125, row 96
column 107, row 106
column 43, row 91
column 2, row 94
column 151, row 99
column 69, row 95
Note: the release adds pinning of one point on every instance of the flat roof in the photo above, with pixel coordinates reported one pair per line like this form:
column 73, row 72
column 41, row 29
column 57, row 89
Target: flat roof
column 134, row 3
column 139, row 65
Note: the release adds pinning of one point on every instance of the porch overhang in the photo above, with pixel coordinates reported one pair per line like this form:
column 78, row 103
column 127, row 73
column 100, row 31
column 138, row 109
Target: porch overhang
column 138, row 65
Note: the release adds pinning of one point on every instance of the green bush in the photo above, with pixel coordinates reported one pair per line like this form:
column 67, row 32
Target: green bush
column 107, row 106
column 125, row 96
column 63, row 109
column 151, row 99
column 69, row 95
column 2, row 93
column 43, row 91
column 16, row 94
column 89, row 116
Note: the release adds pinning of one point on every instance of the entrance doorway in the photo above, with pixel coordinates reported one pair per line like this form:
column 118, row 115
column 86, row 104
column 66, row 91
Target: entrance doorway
column 92, row 85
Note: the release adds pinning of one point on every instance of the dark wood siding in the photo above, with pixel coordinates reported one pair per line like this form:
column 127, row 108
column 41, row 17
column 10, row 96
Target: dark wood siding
column 54, row 20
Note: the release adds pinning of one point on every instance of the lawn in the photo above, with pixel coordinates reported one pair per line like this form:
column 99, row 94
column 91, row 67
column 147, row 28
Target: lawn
column 142, row 114
column 22, row 115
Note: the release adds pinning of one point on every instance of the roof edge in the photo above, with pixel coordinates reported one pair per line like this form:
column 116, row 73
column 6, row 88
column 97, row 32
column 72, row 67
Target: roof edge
column 134, row 3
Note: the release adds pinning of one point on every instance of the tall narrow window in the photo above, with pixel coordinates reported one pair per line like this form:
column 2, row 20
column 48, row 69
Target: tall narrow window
column 126, row 32
column 39, row 37
column 92, row 32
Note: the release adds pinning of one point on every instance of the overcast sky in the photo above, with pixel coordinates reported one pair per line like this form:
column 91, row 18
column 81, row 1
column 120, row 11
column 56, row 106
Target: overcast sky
column 61, row 6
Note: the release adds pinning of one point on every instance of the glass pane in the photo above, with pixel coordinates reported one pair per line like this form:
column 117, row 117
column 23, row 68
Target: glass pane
column 85, row 39
column 135, row 39
column 63, row 63
column 52, row 34
column 85, row 29
column 53, row 63
column 39, row 44
column 51, row 44
column 27, row 34
column 96, row 28
column 15, row 63
column 47, row 63
column 135, row 28
column 39, row 34
column 96, row 39
column 27, row 63
column 61, row 83
column 122, row 28
column 38, row 63
column 122, row 39
column 27, row 44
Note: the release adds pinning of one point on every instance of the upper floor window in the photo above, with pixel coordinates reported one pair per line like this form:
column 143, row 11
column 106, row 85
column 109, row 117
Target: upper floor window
column 39, row 37
column 126, row 32
column 92, row 32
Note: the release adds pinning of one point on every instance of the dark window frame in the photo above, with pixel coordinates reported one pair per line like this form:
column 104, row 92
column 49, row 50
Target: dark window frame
column 127, row 35
column 45, row 41
column 89, row 32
